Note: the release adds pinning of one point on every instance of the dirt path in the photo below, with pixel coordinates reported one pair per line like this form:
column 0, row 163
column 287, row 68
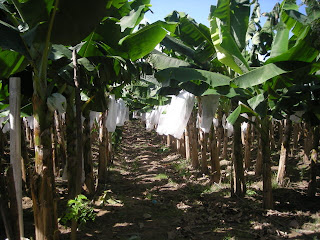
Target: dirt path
column 152, row 195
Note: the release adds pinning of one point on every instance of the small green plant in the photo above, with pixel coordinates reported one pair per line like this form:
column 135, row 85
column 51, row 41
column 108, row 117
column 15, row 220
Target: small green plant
column 135, row 165
column 161, row 176
column 78, row 209
column 207, row 190
column 274, row 182
column 251, row 192
column 228, row 237
column 116, row 138
column 163, row 149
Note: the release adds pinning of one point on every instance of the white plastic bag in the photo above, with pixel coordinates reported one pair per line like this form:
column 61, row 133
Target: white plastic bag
column 149, row 125
column 121, row 113
column 30, row 121
column 162, row 118
column 111, row 120
column 209, row 105
column 178, row 114
column 94, row 116
column 57, row 102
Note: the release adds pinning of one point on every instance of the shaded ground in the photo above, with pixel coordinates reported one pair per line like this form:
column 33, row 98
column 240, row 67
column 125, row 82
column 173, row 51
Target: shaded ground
column 152, row 194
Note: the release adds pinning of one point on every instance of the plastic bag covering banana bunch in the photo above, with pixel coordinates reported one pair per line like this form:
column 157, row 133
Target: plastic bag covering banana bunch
column 209, row 107
column 177, row 116
column 57, row 102
column 121, row 112
column 152, row 118
column 94, row 117
column 29, row 120
column 111, row 120
column 226, row 125
column 162, row 118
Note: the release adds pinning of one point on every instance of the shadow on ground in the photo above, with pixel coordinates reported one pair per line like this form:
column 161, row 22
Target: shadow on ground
column 153, row 195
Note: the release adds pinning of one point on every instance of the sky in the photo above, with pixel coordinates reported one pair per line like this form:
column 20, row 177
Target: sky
column 197, row 9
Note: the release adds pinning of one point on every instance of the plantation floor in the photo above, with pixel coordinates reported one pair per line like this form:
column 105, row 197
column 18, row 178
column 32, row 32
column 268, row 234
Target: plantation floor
column 152, row 194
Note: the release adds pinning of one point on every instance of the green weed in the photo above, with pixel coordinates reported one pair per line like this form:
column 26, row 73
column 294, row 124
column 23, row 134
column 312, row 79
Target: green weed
column 161, row 176
column 163, row 149
column 78, row 209
column 251, row 192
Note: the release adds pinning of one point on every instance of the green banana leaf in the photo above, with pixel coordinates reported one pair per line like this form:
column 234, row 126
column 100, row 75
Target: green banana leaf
column 241, row 109
column 228, row 51
column 268, row 71
column 190, row 74
column 11, row 62
column 142, row 42
column 161, row 61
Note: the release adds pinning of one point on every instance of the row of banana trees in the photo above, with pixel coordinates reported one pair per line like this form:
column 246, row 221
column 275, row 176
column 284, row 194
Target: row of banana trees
column 269, row 71
column 83, row 50
column 77, row 49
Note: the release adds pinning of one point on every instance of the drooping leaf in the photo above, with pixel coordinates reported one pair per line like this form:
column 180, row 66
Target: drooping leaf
column 11, row 40
column 11, row 62
column 268, row 71
column 142, row 42
column 239, row 20
column 228, row 52
column 255, row 101
column 177, row 45
column 240, row 109
column 36, row 11
column 130, row 21
column 281, row 40
column 161, row 61
column 197, row 36
column 59, row 51
column 76, row 19
column 189, row 74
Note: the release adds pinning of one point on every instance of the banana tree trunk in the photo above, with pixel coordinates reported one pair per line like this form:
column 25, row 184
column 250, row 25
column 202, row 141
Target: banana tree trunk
column 61, row 145
column 110, row 149
column 258, row 166
column 168, row 141
column 219, row 132
column 247, row 147
column 182, row 146
column 204, row 160
column 271, row 136
column 26, row 173
column 103, row 147
column 295, row 137
column 87, row 156
column 194, row 142
column 8, row 205
column 239, row 186
column 307, row 145
column 72, row 162
column 214, row 156
column 312, row 185
column 266, row 164
column 43, row 184
column 187, row 143
column 225, row 144
column 280, row 133
column 284, row 154
column 55, row 157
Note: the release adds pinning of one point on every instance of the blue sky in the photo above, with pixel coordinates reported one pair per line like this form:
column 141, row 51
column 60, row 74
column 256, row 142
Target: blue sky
column 197, row 9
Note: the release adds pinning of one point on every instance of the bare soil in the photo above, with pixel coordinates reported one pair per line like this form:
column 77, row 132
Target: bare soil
column 151, row 193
